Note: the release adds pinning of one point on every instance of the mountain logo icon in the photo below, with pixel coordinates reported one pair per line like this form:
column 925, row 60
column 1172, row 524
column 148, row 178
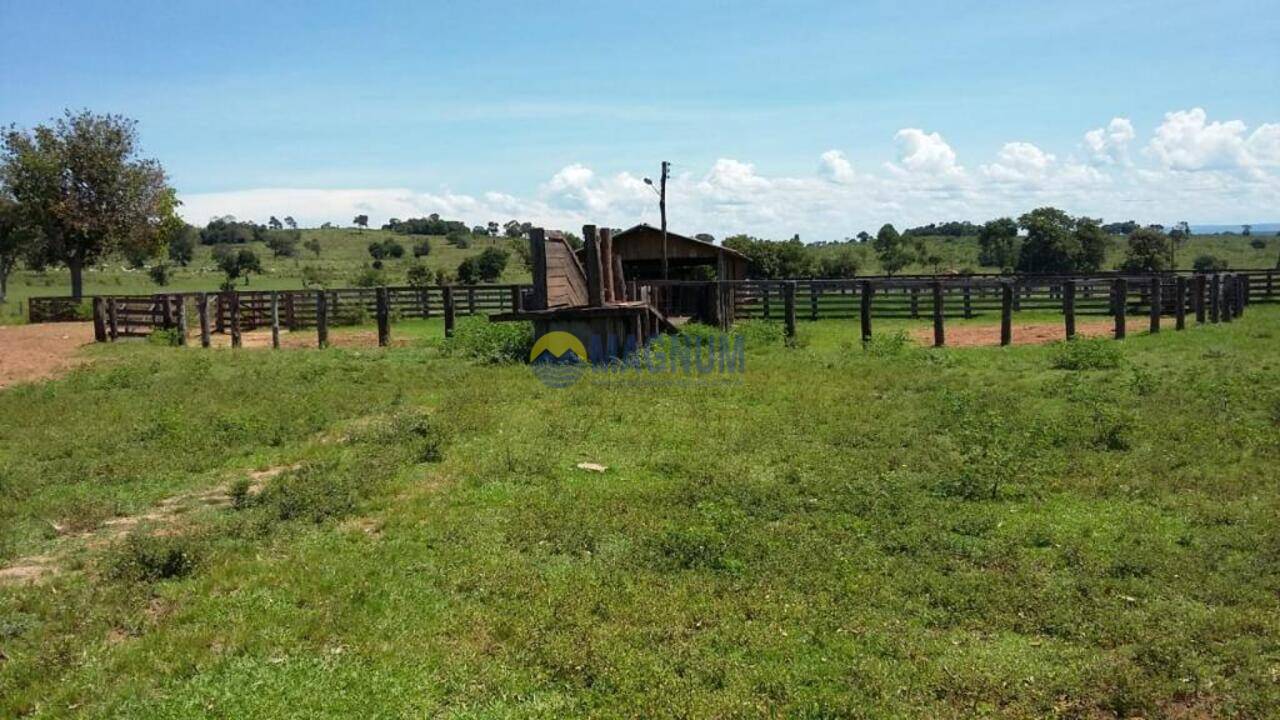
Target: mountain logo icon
column 558, row 359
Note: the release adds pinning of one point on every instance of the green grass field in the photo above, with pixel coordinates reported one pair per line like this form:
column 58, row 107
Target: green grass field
column 1084, row 530
column 344, row 255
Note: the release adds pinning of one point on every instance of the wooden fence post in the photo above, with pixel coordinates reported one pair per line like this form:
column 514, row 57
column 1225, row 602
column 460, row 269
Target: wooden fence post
column 166, row 311
column 1271, row 277
column 1157, row 303
column 181, row 320
column 233, row 313
column 448, row 311
column 864, row 309
column 1180, row 303
column 1120, row 293
column 202, row 312
column 915, row 303
column 1200, row 282
column 1006, row 313
column 384, row 317
column 99, row 320
column 290, row 314
column 1069, row 307
column 1228, row 292
column 1215, row 299
column 765, row 287
column 968, row 301
column 275, row 320
column 815, row 290
column 113, row 320
column 789, row 308
column 516, row 302
column 939, row 330
column 1017, row 296
column 322, row 319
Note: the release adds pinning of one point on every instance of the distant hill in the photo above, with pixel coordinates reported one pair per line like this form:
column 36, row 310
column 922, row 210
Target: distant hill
column 1269, row 228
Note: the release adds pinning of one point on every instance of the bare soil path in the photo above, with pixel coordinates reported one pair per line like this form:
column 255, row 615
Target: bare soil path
column 1030, row 334
column 37, row 352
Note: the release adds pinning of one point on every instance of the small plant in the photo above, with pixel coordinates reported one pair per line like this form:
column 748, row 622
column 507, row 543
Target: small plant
column 413, row 431
column 1112, row 427
column 166, row 337
column 239, row 492
column 888, row 345
column 1081, row 354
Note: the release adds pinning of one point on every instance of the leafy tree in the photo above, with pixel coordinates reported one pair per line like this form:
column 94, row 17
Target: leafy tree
column 769, row 259
column 491, row 263
column 431, row 225
column 227, row 230
column 274, row 223
column 841, row 264
column 312, row 277
column 1059, row 243
column 494, row 228
column 1149, row 251
column 1120, row 228
column 15, row 241
column 1246, row 230
column 159, row 274
column 182, row 246
column 998, row 244
column 1209, row 263
column 361, row 221
column 419, row 275
column 370, row 277
column 458, row 238
column 293, row 224
column 863, row 236
column 479, row 231
column 81, row 184
column 468, row 272
column 386, row 249
column 891, row 249
column 422, row 248
column 235, row 264
column 284, row 243
column 512, row 228
column 313, row 245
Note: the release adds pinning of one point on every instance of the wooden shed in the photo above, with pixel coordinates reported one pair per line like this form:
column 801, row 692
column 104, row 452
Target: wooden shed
column 640, row 249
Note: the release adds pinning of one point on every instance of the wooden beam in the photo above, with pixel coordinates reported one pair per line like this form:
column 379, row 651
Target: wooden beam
column 606, row 264
column 384, row 317
column 1069, row 307
column 1120, row 292
column 789, row 308
column 538, row 248
column 202, row 312
column 275, row 320
column 449, row 310
column 595, row 274
column 181, row 319
column 322, row 319
column 939, row 327
column 99, row 319
column 1006, row 313
column 864, row 309
column 1157, row 302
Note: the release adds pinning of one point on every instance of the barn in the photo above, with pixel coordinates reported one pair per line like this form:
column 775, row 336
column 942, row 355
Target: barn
column 640, row 249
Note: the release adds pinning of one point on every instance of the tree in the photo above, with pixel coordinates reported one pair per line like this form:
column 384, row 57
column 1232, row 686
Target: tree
column 890, row 248
column 1246, row 230
column 182, row 246
column 235, row 264
column 227, row 230
column 493, row 228
column 840, row 264
column 491, row 263
column 458, row 238
column 422, row 248
column 998, row 244
column 159, row 274
column 1059, row 243
column 468, row 272
column 361, row 221
column 313, row 245
column 863, row 236
column 293, row 224
column 274, row 223
column 512, row 228
column 419, row 275
column 386, row 249
column 80, row 183
column 15, row 241
column 1148, row 251
column 284, row 243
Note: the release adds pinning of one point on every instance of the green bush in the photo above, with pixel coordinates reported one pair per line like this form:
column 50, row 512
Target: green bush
column 1083, row 354
column 148, row 558
column 883, row 345
column 413, row 431
column 313, row 492
column 490, row 342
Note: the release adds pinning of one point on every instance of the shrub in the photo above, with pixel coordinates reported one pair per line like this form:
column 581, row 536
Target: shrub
column 883, row 345
column 1209, row 263
column 1112, row 427
column 490, row 342
column 1082, row 354
column 759, row 333
column 313, row 492
column 422, row 248
column 163, row 337
column 148, row 558
column 413, row 431
column 240, row 493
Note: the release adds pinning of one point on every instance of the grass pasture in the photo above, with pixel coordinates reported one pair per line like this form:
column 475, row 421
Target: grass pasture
column 1084, row 530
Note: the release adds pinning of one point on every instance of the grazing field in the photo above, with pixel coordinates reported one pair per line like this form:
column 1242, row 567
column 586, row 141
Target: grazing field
column 1069, row 530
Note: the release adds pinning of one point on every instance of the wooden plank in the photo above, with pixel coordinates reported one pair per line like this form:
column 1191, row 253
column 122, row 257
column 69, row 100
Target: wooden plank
column 202, row 312
column 113, row 320
column 233, row 317
column 1201, row 285
column 606, row 264
column 1006, row 314
column 99, row 318
column 1215, row 298
column 595, row 279
column 181, row 319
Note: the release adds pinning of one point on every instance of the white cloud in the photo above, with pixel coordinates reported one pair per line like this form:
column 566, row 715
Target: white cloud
column 1019, row 162
column 925, row 154
column 1110, row 145
column 834, row 166
column 1186, row 140
column 1234, row 179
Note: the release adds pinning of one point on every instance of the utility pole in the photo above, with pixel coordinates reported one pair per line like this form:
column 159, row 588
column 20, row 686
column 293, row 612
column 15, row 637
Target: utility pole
column 662, row 208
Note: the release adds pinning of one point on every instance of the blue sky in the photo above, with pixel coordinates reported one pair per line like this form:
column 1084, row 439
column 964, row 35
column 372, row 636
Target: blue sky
column 552, row 111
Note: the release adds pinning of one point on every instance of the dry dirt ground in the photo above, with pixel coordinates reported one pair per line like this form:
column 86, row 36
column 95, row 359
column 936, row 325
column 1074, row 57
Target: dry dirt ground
column 36, row 352
column 303, row 339
column 979, row 335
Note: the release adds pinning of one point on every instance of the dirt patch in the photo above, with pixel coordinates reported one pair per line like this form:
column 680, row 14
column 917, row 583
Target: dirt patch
column 162, row 520
column 37, row 352
column 1025, row 334
column 304, row 339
